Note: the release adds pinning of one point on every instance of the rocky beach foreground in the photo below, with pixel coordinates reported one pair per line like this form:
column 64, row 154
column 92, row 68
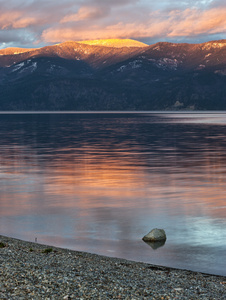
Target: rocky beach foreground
column 33, row 271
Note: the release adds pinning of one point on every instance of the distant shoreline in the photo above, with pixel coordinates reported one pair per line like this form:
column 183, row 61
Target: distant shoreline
column 31, row 270
column 116, row 112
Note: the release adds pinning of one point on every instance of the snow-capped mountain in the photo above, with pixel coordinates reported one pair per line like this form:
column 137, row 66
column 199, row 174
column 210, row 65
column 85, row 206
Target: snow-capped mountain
column 114, row 74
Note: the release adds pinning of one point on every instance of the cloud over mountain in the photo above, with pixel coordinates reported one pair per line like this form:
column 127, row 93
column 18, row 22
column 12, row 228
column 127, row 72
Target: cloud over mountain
column 41, row 22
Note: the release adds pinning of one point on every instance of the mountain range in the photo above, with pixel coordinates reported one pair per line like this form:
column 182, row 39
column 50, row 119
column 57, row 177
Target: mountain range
column 114, row 75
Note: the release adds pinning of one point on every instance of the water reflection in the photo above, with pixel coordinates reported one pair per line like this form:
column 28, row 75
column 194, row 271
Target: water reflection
column 156, row 245
column 99, row 182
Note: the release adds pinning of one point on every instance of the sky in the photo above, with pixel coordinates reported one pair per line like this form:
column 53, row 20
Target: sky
column 36, row 23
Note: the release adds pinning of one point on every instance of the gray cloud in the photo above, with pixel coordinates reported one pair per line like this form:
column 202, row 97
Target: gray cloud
column 16, row 38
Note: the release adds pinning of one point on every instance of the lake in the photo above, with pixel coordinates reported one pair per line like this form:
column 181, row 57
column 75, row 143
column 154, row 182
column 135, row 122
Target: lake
column 98, row 182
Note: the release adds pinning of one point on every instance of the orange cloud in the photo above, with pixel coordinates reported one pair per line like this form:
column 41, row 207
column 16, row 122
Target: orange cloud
column 176, row 23
column 16, row 19
column 8, row 18
column 195, row 22
column 98, row 19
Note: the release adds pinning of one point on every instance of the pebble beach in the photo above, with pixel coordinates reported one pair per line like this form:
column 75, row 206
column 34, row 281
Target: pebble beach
column 34, row 271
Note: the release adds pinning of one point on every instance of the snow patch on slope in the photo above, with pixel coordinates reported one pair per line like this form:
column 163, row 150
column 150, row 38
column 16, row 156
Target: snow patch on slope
column 165, row 63
column 131, row 65
column 22, row 67
column 17, row 67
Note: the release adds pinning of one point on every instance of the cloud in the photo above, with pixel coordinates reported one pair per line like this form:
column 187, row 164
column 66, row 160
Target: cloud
column 176, row 23
column 56, row 21
column 86, row 13
column 192, row 22
column 18, row 38
column 16, row 20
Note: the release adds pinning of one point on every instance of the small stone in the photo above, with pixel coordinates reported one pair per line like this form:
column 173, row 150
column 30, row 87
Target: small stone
column 155, row 235
column 178, row 289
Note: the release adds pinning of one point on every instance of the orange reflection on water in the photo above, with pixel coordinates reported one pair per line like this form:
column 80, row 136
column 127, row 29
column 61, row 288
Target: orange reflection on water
column 92, row 181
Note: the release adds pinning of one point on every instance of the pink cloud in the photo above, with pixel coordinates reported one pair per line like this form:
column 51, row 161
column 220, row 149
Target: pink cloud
column 189, row 22
column 85, row 13
column 17, row 19
column 99, row 19
column 193, row 22
column 8, row 18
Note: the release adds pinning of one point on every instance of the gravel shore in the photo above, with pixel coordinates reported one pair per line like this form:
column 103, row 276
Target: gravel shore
column 33, row 271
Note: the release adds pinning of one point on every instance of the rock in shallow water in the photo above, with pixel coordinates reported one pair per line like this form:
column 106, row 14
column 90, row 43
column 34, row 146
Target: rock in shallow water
column 155, row 235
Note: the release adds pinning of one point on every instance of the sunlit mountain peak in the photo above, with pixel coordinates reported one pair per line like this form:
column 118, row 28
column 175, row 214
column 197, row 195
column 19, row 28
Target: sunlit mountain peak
column 117, row 43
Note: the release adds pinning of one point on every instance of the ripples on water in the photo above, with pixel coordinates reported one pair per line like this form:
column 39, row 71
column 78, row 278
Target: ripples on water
column 100, row 182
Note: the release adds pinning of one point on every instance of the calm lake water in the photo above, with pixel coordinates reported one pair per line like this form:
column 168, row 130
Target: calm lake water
column 100, row 182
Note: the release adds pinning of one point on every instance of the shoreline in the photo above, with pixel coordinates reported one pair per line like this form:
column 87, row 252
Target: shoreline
column 35, row 271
